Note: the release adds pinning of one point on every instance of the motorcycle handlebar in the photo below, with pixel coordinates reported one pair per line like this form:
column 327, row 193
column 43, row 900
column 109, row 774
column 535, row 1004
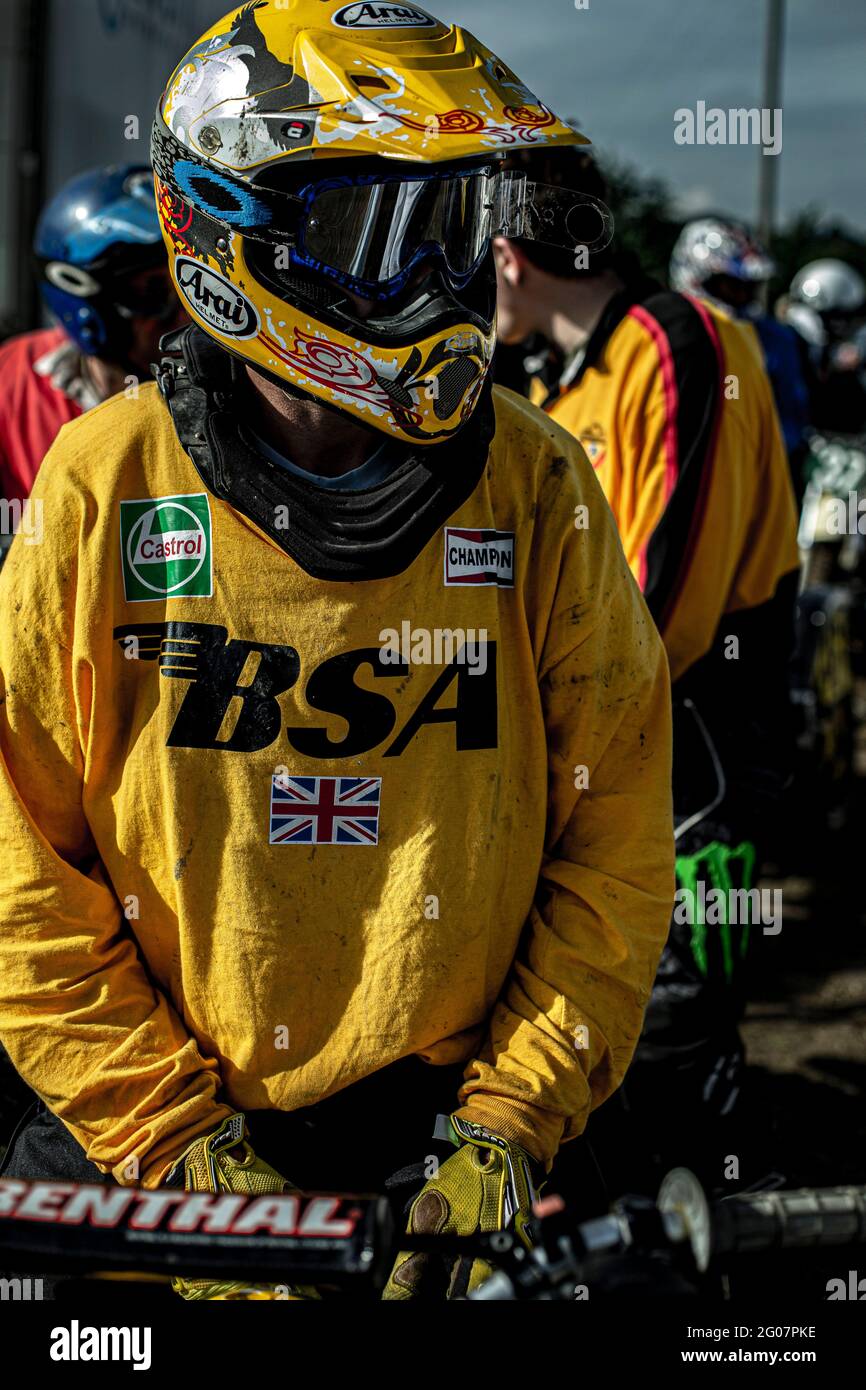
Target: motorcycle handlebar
column 351, row 1241
column 811, row 1218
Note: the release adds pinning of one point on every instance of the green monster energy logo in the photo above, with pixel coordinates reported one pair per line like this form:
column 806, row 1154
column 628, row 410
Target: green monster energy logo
column 721, row 904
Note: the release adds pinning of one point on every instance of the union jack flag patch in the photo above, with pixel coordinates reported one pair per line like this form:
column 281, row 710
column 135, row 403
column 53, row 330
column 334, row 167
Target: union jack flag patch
column 325, row 810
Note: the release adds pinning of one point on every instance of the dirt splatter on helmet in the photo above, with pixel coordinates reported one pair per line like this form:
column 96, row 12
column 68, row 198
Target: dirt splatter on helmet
column 329, row 179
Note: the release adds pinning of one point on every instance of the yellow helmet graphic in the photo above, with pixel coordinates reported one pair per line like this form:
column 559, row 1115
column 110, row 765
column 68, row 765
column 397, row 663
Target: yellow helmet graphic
column 329, row 180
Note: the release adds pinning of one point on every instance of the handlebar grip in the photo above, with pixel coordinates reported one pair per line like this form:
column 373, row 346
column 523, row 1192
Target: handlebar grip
column 790, row 1220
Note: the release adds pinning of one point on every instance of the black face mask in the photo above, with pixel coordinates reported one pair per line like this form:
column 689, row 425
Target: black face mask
column 347, row 536
column 156, row 299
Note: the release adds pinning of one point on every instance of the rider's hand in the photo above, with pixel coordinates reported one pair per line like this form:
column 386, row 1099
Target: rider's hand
column 224, row 1162
column 487, row 1185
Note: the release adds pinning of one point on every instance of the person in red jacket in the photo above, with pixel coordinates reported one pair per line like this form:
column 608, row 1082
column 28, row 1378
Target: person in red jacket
column 103, row 274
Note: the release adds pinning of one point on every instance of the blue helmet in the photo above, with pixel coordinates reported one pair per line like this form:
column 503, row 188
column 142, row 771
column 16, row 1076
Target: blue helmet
column 95, row 234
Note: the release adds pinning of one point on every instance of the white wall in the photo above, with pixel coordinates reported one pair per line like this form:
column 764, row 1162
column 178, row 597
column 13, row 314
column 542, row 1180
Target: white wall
column 104, row 60
column 107, row 60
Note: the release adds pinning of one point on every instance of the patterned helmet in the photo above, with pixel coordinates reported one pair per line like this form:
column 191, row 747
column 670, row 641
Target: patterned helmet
column 710, row 247
column 329, row 179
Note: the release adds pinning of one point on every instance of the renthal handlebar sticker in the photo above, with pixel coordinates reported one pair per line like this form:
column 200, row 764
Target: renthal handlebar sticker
column 313, row 1218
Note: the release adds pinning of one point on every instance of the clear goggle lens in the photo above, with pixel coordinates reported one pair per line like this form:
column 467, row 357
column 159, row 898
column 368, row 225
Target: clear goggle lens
column 374, row 232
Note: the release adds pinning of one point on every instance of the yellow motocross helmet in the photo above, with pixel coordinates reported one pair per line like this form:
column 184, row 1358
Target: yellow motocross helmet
column 329, row 180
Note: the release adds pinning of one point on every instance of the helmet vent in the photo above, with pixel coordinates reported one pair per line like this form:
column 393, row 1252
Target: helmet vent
column 323, row 296
column 453, row 384
column 398, row 393
column 371, row 84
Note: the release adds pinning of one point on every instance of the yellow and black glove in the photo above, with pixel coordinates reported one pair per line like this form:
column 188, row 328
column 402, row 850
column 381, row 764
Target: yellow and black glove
column 224, row 1162
column 487, row 1185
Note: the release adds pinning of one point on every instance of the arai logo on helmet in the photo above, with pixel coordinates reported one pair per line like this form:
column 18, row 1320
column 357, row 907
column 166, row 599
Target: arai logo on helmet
column 216, row 300
column 383, row 17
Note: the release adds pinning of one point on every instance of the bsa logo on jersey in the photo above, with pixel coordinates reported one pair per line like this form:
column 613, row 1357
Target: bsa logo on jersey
column 166, row 548
column 379, row 16
column 325, row 810
column 594, row 441
column 482, row 558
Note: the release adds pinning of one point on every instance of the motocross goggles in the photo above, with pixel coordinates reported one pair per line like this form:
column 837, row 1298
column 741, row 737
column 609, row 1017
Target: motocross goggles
column 371, row 231
column 374, row 232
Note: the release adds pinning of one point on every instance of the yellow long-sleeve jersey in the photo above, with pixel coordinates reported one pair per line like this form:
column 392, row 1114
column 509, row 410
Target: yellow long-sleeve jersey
column 265, row 834
column 675, row 410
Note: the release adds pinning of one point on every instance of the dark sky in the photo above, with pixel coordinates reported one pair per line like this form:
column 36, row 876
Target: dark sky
column 624, row 66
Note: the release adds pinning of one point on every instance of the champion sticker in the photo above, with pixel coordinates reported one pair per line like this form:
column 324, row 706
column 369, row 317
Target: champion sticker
column 479, row 557
column 216, row 300
column 370, row 16
column 166, row 548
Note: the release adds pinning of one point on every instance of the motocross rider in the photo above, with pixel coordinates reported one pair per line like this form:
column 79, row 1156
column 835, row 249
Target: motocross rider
column 252, row 867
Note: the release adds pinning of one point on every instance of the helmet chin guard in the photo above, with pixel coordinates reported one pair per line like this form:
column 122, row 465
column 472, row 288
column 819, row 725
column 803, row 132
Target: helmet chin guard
column 328, row 182
column 337, row 536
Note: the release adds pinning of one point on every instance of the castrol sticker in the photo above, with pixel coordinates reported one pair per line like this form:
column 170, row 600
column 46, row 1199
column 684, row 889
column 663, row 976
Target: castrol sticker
column 166, row 548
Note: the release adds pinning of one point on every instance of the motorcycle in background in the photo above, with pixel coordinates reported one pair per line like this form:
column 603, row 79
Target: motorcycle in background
column 831, row 625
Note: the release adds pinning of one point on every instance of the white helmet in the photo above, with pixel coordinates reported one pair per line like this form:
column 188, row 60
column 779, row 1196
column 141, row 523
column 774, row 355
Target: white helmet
column 807, row 323
column 828, row 287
